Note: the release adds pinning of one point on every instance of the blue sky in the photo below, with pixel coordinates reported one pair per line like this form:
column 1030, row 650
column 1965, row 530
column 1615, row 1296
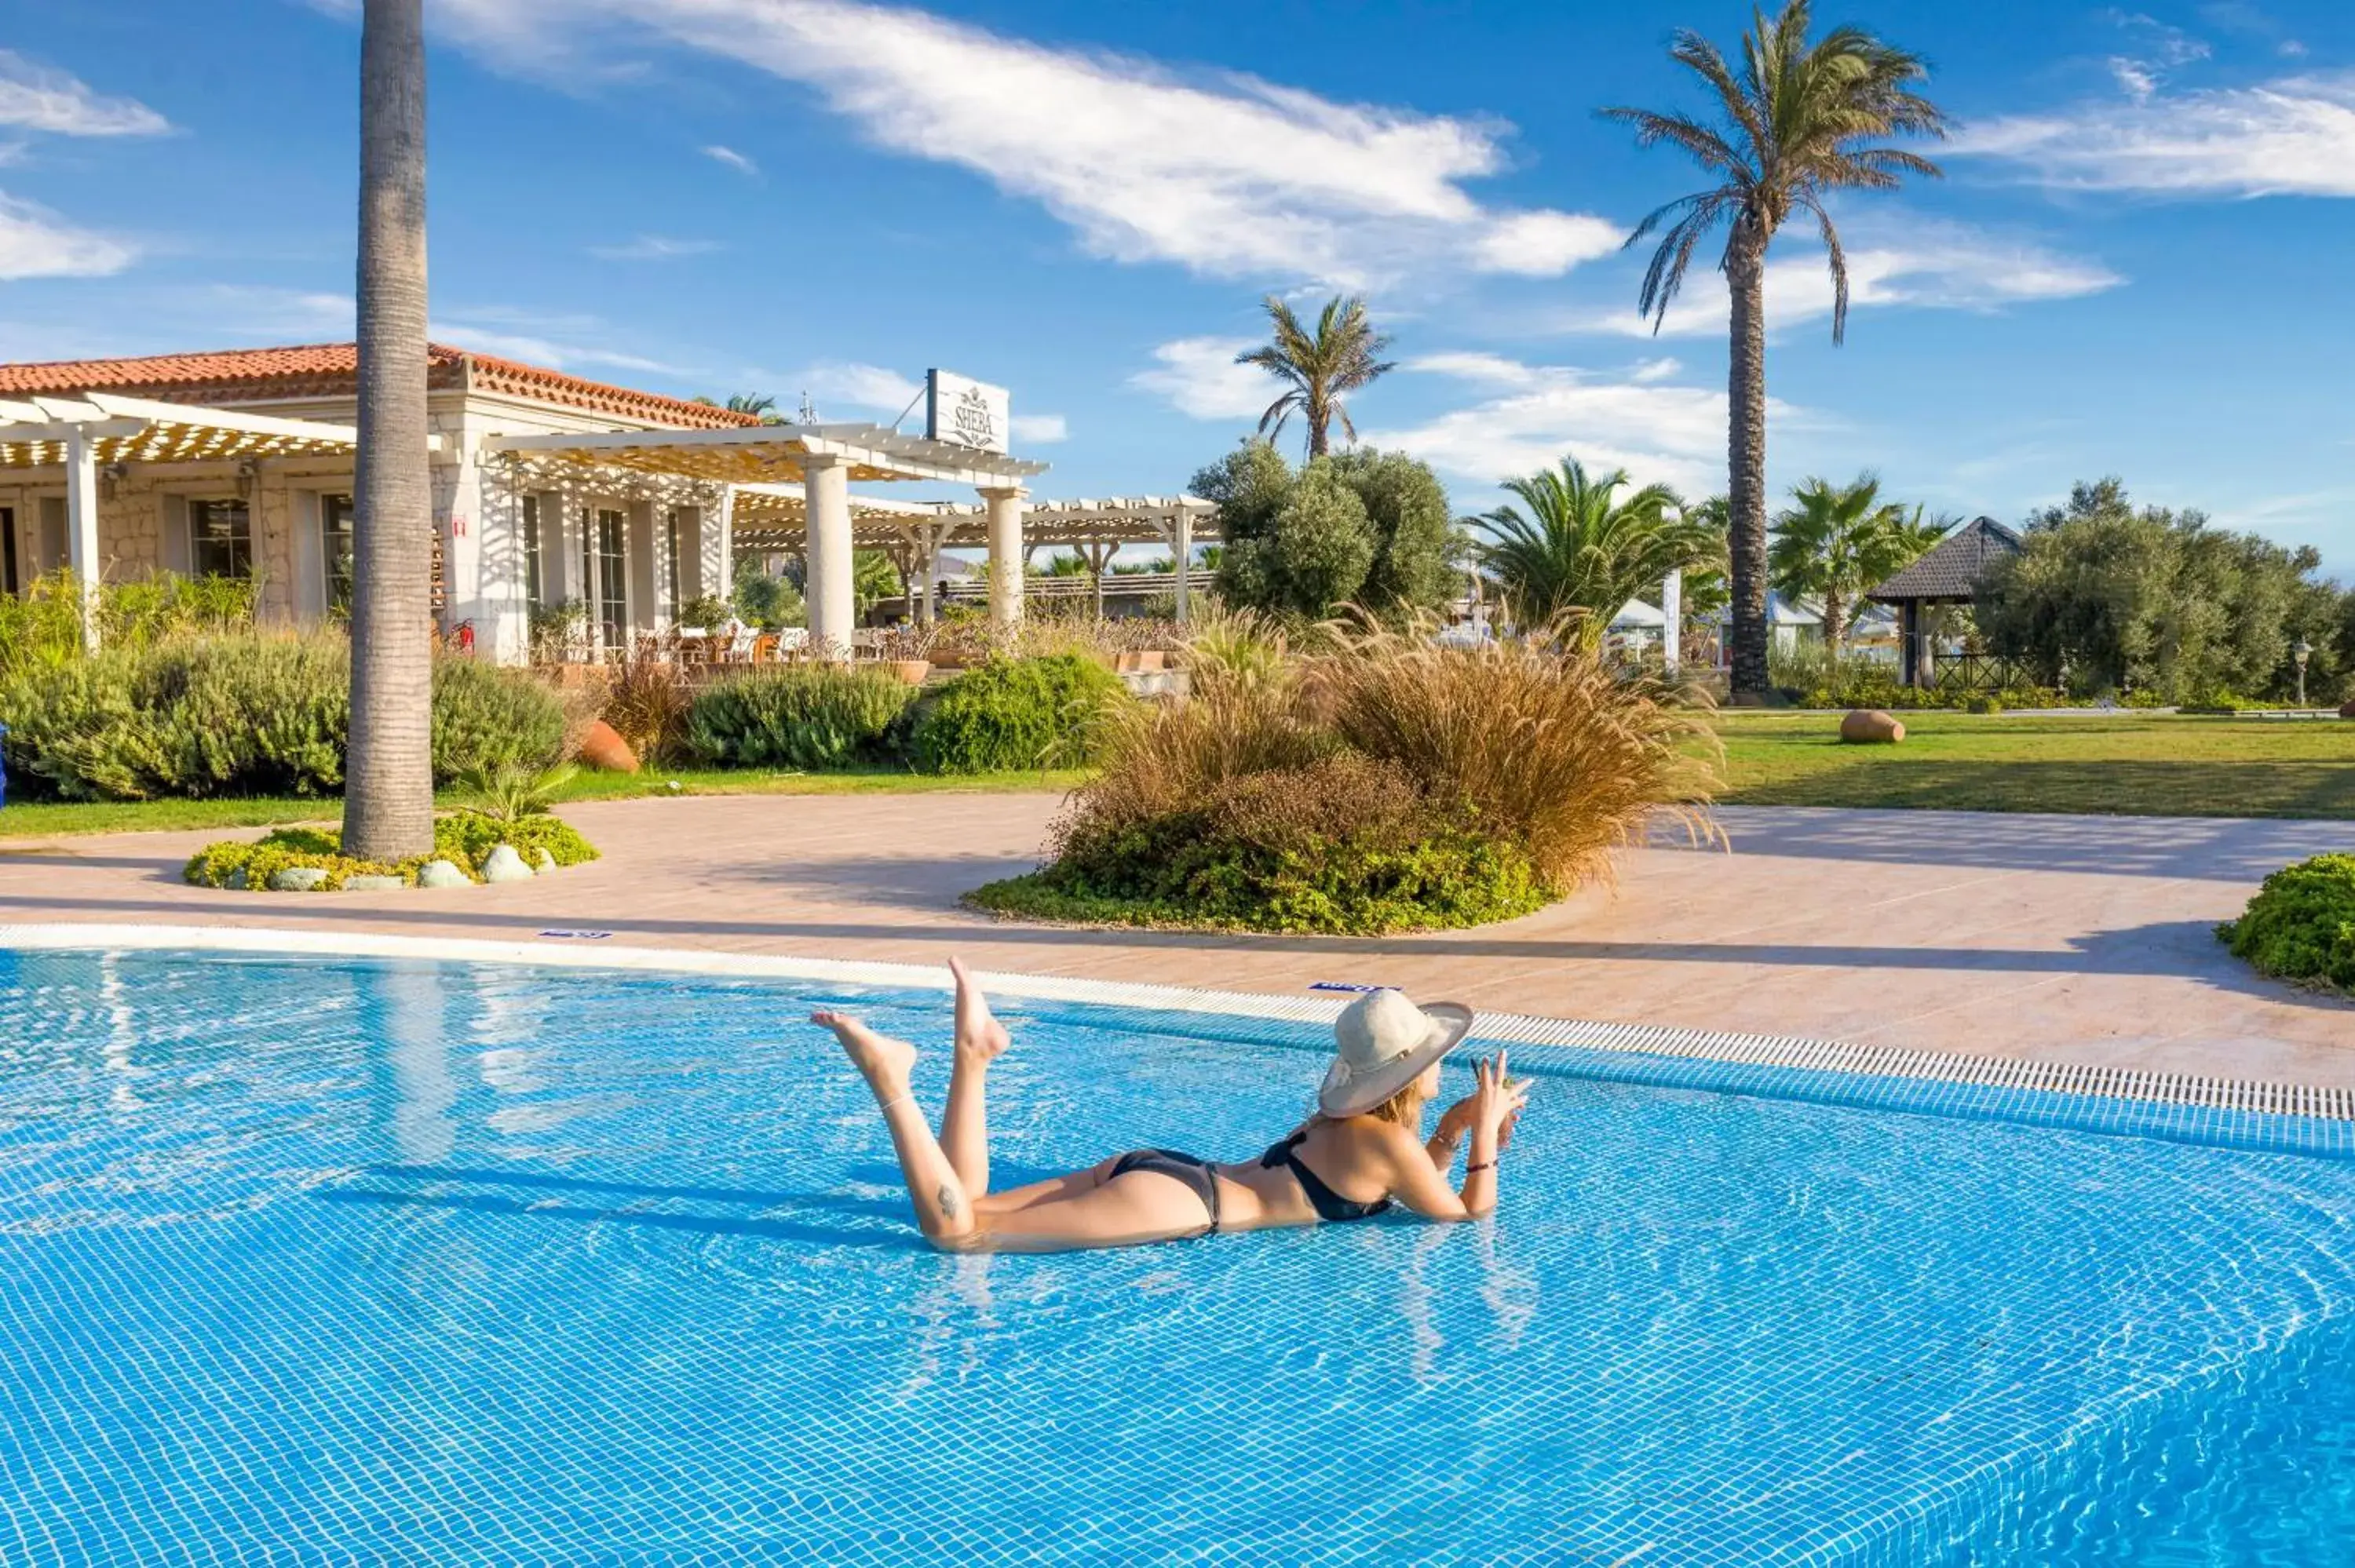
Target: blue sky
column 2137, row 265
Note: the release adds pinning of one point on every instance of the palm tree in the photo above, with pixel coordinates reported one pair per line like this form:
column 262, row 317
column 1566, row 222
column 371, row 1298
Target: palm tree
column 388, row 777
column 1318, row 371
column 1801, row 122
column 1841, row 540
column 1584, row 547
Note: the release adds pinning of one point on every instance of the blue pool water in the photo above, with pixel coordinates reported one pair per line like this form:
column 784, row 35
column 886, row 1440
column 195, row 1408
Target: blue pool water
column 306, row 1261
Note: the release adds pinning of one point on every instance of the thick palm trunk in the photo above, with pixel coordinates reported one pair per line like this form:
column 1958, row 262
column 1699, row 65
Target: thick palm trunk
column 1746, row 268
column 389, row 781
column 1835, row 620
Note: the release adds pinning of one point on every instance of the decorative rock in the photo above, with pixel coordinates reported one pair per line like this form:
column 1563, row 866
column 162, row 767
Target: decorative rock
column 372, row 882
column 503, row 864
column 542, row 863
column 442, row 873
column 236, row 880
column 1870, row 727
column 297, row 879
column 602, row 747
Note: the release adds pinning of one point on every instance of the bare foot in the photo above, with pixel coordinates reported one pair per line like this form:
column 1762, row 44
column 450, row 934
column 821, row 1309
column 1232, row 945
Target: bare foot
column 980, row 1038
column 884, row 1062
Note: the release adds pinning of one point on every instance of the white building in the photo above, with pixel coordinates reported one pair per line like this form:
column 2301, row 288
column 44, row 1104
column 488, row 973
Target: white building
column 548, row 489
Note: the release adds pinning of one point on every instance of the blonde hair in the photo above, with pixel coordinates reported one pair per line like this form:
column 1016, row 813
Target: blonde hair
column 1404, row 1107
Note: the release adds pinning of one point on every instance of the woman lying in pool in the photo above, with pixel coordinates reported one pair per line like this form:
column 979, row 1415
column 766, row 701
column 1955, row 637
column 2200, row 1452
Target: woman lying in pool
column 1360, row 1152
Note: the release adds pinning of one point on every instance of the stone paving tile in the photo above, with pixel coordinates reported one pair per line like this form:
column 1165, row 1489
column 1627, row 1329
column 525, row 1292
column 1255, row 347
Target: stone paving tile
column 2078, row 938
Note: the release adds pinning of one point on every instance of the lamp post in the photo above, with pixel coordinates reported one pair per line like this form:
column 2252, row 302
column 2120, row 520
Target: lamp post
column 2301, row 650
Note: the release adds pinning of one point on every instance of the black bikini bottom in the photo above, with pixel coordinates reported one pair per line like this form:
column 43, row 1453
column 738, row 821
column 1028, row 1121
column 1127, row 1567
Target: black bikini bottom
column 1194, row 1173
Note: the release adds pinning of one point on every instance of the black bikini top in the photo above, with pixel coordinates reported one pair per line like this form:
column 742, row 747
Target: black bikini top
column 1328, row 1205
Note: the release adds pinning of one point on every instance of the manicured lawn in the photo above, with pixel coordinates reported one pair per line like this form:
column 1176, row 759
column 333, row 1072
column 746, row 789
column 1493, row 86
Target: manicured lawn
column 51, row 819
column 2123, row 765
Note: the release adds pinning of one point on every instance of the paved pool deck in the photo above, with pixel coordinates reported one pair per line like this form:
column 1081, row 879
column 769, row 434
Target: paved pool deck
column 2082, row 940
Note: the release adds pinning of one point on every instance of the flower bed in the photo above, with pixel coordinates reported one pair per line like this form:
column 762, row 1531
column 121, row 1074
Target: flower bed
column 465, row 839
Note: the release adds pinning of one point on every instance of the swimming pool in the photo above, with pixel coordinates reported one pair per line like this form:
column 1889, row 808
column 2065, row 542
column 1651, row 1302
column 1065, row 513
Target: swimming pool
column 303, row 1257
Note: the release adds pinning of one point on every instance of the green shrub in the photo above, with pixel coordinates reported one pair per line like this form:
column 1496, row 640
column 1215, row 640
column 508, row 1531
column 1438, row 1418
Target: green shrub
column 238, row 714
column 801, row 716
column 2301, row 924
column 1014, row 714
column 464, row 838
column 486, row 717
column 244, row 713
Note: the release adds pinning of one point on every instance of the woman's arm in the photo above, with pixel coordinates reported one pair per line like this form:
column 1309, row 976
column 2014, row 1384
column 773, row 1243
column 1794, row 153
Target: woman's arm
column 1420, row 1183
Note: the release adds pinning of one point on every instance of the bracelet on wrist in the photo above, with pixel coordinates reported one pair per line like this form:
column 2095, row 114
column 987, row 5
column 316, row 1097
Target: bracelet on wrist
column 1478, row 1165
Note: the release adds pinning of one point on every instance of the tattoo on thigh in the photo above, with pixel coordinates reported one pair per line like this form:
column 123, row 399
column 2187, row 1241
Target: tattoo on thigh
column 950, row 1203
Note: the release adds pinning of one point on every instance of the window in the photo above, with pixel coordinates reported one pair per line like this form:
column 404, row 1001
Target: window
column 8, row 541
column 673, row 586
column 533, row 597
column 220, row 539
column 610, row 549
column 55, row 553
column 335, row 551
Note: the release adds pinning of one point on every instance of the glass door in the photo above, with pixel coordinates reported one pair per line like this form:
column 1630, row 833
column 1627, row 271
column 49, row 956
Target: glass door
column 611, row 552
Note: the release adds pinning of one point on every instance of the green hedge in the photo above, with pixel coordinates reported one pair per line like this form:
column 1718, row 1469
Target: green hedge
column 802, row 715
column 244, row 713
column 1014, row 714
column 464, row 838
column 2301, row 924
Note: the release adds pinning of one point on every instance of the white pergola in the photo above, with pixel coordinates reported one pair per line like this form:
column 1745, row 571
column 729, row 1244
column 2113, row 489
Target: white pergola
column 771, row 463
column 776, row 517
column 99, row 430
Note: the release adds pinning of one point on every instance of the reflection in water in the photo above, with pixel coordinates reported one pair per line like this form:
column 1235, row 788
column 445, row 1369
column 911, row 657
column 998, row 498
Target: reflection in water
column 121, row 1034
column 408, row 1002
column 943, row 1307
column 1510, row 1294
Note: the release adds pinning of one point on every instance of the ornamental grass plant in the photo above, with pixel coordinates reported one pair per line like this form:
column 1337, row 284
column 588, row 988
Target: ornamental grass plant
column 1382, row 782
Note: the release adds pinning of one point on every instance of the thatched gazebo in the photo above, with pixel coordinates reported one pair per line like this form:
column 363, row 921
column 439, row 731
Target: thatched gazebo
column 1953, row 573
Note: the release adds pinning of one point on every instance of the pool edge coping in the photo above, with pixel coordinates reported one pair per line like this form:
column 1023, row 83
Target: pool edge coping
column 2071, row 1080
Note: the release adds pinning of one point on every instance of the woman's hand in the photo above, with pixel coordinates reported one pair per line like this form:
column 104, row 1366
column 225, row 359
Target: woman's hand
column 1497, row 1099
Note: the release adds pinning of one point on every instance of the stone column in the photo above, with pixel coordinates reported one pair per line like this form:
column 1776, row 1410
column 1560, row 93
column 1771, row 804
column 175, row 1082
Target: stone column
column 1672, row 610
column 1006, row 552
column 1183, row 555
column 833, row 608
column 81, row 528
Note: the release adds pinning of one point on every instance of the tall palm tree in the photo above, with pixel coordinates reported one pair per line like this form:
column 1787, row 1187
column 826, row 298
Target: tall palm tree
column 1582, row 546
column 1800, row 121
column 388, row 779
column 1841, row 540
column 1318, row 370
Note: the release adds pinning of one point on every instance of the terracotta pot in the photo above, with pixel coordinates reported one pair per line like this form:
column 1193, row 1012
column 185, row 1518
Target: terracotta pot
column 911, row 670
column 603, row 749
column 1870, row 727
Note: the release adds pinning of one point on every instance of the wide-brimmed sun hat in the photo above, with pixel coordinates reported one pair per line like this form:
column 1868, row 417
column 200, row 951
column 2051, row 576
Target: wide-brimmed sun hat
column 1381, row 1044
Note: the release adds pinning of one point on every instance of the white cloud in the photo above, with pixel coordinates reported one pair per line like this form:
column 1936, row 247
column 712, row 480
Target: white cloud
column 1223, row 174
column 545, row 352
column 654, row 248
column 1201, row 376
column 733, row 158
column 37, row 243
column 1539, row 413
column 2292, row 136
column 40, row 98
column 1940, row 265
column 1041, row 430
column 1546, row 244
column 848, row 381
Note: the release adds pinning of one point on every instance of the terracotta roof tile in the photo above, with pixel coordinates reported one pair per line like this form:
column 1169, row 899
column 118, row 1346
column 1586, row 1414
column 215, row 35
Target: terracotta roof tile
column 330, row 369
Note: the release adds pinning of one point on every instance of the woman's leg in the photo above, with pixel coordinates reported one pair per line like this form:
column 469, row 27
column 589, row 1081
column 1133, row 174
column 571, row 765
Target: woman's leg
column 964, row 1124
column 942, row 1209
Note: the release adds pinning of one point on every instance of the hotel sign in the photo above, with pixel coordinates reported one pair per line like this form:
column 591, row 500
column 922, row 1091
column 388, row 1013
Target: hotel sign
column 966, row 412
